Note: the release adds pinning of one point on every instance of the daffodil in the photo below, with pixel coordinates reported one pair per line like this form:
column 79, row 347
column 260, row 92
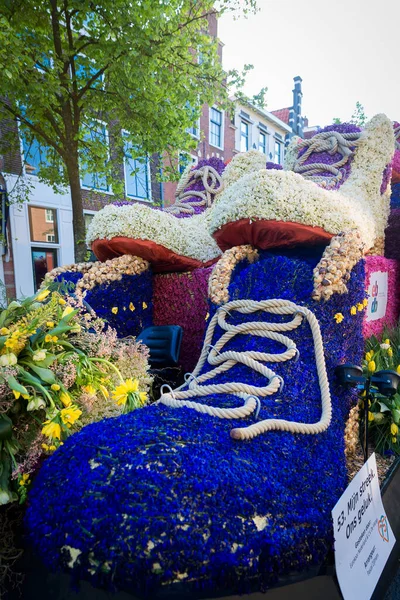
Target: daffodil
column 89, row 389
column 70, row 415
column 105, row 391
column 50, row 324
column 55, row 387
column 8, row 360
column 394, row 429
column 42, row 295
column 67, row 311
column 61, row 301
column 17, row 395
column 48, row 338
column 387, row 341
column 353, row 310
column 369, row 356
column 338, row 317
column 114, row 310
column 39, row 355
column 127, row 394
column 371, row 366
column 52, row 430
column 4, row 331
column 65, row 399
column 390, row 352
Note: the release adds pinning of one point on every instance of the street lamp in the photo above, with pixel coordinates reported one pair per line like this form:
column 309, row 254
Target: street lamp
column 385, row 381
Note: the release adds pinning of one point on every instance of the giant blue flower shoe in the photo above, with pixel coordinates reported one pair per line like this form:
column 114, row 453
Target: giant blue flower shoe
column 168, row 495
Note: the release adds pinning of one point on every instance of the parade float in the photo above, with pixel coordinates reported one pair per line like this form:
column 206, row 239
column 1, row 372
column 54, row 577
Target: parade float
column 226, row 484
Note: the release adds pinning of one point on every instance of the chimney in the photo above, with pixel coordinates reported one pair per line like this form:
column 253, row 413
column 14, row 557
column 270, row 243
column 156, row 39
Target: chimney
column 297, row 126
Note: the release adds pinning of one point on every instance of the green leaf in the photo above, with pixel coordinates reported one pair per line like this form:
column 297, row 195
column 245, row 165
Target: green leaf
column 45, row 374
column 5, row 427
column 384, row 407
column 16, row 386
column 396, row 415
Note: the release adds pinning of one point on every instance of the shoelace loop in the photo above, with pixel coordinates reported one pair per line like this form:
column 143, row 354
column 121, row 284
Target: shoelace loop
column 212, row 183
column 225, row 360
column 328, row 141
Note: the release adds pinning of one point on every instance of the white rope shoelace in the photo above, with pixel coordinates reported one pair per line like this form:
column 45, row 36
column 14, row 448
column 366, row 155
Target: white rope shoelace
column 332, row 142
column 224, row 360
column 212, row 183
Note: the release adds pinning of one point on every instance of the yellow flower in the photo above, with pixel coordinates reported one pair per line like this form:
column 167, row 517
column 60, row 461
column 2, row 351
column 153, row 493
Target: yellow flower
column 50, row 324
column 45, row 447
column 143, row 398
column 54, row 338
column 52, row 448
column 207, row 316
column 394, row 429
column 61, row 301
column 131, row 307
column 70, row 415
column 353, row 310
column 89, row 389
column 365, row 302
column 120, row 394
column 4, row 331
column 52, row 430
column 105, row 391
column 114, row 310
column 65, row 399
column 42, row 295
column 370, row 416
column 390, row 352
column 55, row 387
column 398, row 369
column 360, row 306
column 338, row 317
column 48, row 338
column 371, row 366
column 67, row 311
column 387, row 341
column 24, row 479
column 18, row 395
column 144, row 305
column 394, row 440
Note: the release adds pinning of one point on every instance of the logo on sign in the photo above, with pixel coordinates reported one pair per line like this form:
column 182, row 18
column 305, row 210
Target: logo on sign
column 383, row 528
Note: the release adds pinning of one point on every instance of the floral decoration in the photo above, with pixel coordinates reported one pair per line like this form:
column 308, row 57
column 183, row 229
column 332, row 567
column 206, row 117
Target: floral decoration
column 242, row 164
column 222, row 272
column 392, row 268
column 58, row 368
column 181, row 299
column 213, row 511
column 287, row 196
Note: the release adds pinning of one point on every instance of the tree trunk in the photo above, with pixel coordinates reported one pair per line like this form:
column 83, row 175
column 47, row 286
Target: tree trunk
column 78, row 220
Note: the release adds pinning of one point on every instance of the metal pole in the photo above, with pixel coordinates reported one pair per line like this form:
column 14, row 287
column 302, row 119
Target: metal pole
column 367, row 387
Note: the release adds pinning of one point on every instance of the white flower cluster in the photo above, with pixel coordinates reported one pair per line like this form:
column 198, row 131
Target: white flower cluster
column 291, row 153
column 241, row 164
column 187, row 237
column 287, row 196
column 221, row 274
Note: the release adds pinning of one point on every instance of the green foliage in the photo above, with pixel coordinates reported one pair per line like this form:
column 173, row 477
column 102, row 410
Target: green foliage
column 384, row 413
column 358, row 117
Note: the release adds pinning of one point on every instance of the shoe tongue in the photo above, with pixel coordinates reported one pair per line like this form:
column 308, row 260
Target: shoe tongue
column 329, row 158
column 198, row 186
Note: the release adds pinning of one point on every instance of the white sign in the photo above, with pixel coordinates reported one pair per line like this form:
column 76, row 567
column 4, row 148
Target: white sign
column 363, row 536
column 377, row 296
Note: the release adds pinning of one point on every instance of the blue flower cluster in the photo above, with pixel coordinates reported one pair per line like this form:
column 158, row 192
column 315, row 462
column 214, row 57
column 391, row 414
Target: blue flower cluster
column 164, row 497
column 395, row 197
column 125, row 304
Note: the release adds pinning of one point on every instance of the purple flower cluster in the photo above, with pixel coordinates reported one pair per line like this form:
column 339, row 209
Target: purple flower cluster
column 271, row 165
column 198, row 186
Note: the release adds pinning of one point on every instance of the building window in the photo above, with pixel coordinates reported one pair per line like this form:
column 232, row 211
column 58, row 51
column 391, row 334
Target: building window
column 278, row 153
column 96, row 133
column 216, row 128
column 184, row 160
column 244, row 136
column 43, row 261
column 43, row 224
column 34, row 155
column 262, row 143
column 137, row 173
column 194, row 130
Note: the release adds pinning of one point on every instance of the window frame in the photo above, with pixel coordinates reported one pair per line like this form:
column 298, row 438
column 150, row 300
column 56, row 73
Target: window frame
column 108, row 192
column 245, row 137
column 264, row 148
column 278, row 144
column 222, row 127
column 148, row 200
column 41, row 245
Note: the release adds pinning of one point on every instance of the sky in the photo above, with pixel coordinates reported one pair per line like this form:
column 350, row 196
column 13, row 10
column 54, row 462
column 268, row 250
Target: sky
column 344, row 51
